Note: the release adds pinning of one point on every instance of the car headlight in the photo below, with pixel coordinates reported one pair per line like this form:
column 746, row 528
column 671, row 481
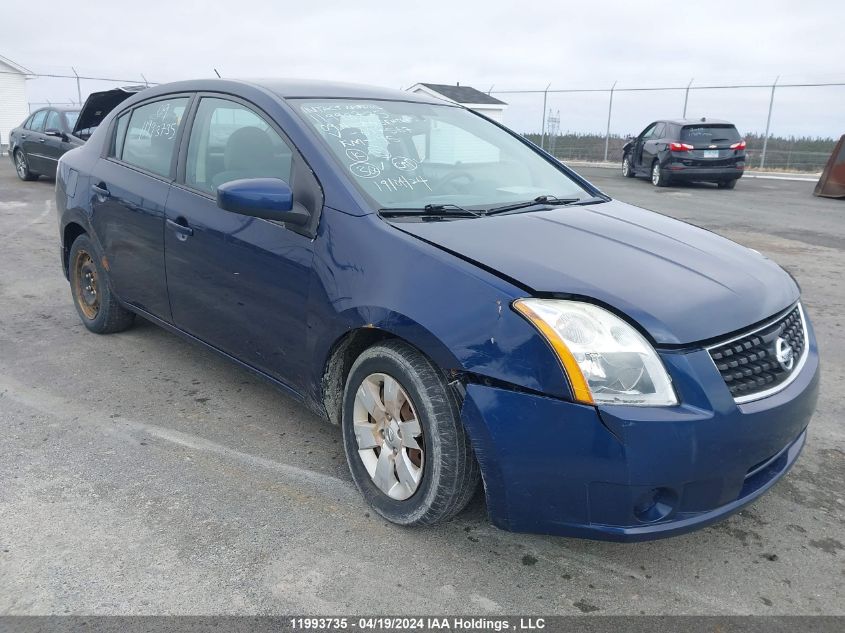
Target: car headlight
column 606, row 360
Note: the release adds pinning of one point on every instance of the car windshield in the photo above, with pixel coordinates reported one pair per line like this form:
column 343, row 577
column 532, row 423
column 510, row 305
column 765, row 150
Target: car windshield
column 708, row 134
column 71, row 116
column 408, row 155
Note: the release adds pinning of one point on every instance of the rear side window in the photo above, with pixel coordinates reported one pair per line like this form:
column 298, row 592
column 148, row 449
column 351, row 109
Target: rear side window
column 659, row 131
column 151, row 135
column 709, row 134
column 230, row 141
column 36, row 123
column 54, row 121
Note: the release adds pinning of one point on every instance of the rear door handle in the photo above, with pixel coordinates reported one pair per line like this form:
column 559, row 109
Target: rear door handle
column 101, row 190
column 42, row 140
column 182, row 230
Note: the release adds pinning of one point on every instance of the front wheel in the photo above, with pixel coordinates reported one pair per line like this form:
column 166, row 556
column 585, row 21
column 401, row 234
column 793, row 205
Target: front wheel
column 658, row 176
column 627, row 169
column 22, row 167
column 95, row 303
column 404, row 441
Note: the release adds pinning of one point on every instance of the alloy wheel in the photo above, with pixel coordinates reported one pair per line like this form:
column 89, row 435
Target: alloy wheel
column 655, row 174
column 389, row 436
column 626, row 167
column 20, row 165
column 86, row 285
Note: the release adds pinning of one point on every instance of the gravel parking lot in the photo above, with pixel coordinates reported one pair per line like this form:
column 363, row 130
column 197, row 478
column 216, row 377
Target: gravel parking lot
column 141, row 474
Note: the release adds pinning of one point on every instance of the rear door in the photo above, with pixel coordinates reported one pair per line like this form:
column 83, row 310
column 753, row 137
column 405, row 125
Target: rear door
column 129, row 187
column 239, row 283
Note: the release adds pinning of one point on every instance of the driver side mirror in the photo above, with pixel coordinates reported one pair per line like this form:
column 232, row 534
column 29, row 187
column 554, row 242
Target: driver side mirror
column 56, row 133
column 267, row 198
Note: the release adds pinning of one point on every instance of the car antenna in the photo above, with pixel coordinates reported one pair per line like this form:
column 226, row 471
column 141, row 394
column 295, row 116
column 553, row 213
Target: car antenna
column 704, row 119
column 217, row 73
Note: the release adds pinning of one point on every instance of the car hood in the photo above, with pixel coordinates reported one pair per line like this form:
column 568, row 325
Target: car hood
column 681, row 283
column 98, row 105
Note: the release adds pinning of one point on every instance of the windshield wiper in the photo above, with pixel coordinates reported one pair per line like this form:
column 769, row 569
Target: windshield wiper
column 432, row 210
column 549, row 200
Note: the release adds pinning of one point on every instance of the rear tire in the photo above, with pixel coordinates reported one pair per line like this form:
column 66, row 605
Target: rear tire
column 627, row 168
column 98, row 308
column 401, row 385
column 22, row 167
column 658, row 175
column 727, row 184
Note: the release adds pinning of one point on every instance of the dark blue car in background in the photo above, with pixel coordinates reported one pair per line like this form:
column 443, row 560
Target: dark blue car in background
column 464, row 306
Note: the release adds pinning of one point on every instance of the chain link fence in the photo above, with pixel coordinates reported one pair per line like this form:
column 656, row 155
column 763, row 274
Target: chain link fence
column 789, row 125
column 780, row 121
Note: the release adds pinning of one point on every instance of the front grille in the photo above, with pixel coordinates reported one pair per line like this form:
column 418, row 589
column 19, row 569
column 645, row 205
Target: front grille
column 757, row 363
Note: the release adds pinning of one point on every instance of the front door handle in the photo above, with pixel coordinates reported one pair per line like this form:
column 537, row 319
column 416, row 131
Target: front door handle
column 101, row 190
column 183, row 231
column 42, row 140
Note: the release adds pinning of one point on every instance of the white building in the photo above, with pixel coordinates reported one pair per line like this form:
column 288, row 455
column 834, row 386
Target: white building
column 465, row 95
column 13, row 103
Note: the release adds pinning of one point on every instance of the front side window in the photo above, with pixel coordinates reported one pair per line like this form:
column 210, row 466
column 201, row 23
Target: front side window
column 151, row 135
column 230, row 141
column 646, row 133
column 36, row 123
column 412, row 154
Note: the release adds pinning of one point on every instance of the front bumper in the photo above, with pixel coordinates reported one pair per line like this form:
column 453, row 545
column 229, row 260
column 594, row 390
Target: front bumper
column 635, row 473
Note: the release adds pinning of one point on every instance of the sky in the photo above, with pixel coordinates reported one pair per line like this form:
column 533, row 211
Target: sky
column 493, row 44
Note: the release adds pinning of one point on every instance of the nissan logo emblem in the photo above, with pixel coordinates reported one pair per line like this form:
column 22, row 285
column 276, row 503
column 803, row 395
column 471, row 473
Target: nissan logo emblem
column 784, row 354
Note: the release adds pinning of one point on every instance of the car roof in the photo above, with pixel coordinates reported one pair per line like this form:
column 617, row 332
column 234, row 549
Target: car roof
column 59, row 108
column 706, row 121
column 296, row 88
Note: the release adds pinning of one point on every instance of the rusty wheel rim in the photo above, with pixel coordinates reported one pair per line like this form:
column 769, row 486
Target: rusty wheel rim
column 86, row 285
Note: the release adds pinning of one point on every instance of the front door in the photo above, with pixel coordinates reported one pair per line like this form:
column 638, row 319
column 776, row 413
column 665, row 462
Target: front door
column 53, row 144
column 651, row 145
column 32, row 142
column 239, row 283
column 639, row 164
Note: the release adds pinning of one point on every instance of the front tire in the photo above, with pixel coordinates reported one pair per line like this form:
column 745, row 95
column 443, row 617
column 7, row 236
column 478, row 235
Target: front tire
column 98, row 308
column 404, row 441
column 658, row 175
column 627, row 168
column 22, row 167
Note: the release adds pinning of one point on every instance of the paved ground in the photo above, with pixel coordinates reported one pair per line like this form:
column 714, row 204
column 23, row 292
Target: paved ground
column 141, row 474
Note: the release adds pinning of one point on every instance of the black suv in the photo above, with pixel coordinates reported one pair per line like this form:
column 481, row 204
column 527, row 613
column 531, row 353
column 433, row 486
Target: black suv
column 684, row 149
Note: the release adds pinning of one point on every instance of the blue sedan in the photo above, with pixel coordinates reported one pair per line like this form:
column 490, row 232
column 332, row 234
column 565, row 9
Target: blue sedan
column 463, row 306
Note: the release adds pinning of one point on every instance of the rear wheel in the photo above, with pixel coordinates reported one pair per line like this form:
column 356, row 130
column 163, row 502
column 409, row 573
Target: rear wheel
column 627, row 168
column 658, row 176
column 22, row 167
column 95, row 303
column 404, row 441
column 727, row 184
